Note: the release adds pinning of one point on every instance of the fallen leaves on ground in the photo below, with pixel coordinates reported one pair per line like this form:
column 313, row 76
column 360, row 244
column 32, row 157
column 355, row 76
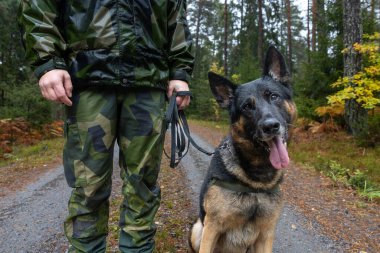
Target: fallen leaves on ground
column 15, row 132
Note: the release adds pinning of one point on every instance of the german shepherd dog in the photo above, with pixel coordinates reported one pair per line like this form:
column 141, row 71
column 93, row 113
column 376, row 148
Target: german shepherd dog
column 240, row 200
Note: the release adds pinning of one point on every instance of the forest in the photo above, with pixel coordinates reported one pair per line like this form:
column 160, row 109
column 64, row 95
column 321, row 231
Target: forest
column 316, row 36
column 331, row 48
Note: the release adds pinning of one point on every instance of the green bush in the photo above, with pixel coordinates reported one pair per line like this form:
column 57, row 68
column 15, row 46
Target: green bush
column 24, row 100
column 357, row 180
column 371, row 137
column 306, row 107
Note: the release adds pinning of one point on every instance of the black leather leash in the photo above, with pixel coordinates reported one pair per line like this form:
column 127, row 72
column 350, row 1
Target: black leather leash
column 180, row 132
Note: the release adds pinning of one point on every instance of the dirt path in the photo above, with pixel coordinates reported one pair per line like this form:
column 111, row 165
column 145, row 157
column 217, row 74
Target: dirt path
column 31, row 219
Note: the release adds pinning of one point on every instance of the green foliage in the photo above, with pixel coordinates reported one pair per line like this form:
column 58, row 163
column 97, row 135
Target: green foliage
column 366, row 189
column 24, row 100
column 34, row 156
column 306, row 106
column 358, row 180
column 11, row 50
column 200, row 106
column 336, row 172
column 364, row 86
column 19, row 94
column 371, row 137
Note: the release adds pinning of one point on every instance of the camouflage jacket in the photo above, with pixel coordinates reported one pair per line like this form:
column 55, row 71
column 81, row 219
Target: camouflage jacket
column 126, row 42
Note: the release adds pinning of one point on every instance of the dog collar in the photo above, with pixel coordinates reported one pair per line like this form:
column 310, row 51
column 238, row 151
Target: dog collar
column 239, row 187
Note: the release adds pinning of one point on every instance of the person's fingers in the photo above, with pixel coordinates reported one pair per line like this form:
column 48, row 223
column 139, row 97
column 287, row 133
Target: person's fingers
column 51, row 94
column 60, row 93
column 44, row 85
column 67, row 84
column 170, row 90
column 179, row 85
column 183, row 102
column 43, row 90
column 187, row 101
column 56, row 85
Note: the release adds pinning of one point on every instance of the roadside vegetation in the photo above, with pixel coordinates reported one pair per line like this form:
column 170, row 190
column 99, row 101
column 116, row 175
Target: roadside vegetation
column 27, row 151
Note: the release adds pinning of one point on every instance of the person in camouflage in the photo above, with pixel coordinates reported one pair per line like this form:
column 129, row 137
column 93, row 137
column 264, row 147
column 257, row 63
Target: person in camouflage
column 113, row 63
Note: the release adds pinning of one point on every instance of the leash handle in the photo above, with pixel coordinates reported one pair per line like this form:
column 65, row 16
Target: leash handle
column 180, row 132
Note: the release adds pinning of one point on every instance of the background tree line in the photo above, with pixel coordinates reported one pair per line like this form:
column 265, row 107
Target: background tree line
column 19, row 93
column 231, row 36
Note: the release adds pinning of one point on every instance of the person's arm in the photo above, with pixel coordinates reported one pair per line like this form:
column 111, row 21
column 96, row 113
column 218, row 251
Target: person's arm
column 181, row 58
column 39, row 22
column 44, row 44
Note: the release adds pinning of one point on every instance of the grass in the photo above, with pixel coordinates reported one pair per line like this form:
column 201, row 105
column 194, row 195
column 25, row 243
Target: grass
column 35, row 155
column 222, row 125
column 319, row 149
column 339, row 156
column 26, row 163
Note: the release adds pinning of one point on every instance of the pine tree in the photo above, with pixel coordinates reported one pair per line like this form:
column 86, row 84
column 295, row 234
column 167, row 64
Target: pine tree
column 355, row 115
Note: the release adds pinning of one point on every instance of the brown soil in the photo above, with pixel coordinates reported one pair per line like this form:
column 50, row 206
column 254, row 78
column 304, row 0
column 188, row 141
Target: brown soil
column 16, row 177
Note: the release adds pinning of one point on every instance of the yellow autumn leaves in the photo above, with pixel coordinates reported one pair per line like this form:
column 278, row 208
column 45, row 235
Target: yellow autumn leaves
column 364, row 86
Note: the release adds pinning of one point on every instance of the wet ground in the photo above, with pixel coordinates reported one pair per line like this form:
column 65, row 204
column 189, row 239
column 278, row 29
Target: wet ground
column 31, row 220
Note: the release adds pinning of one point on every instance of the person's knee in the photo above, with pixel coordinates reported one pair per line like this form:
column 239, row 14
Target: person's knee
column 91, row 195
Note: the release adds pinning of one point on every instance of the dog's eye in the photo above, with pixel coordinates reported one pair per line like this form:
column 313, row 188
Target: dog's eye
column 247, row 107
column 274, row 97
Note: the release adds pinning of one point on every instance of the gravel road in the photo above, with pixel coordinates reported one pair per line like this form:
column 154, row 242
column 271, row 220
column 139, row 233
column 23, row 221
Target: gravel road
column 31, row 219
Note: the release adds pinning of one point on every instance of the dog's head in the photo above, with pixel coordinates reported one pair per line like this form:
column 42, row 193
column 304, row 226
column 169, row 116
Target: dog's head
column 261, row 111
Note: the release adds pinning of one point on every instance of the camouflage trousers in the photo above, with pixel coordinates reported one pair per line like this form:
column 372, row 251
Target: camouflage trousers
column 98, row 117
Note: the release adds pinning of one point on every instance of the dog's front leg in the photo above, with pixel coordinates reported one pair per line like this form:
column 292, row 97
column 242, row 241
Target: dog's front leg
column 264, row 243
column 210, row 237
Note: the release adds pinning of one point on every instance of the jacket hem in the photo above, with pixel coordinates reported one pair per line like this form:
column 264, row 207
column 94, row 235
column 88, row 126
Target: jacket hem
column 89, row 83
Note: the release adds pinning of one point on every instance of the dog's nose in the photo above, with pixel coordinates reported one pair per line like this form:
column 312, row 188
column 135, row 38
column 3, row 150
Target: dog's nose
column 270, row 126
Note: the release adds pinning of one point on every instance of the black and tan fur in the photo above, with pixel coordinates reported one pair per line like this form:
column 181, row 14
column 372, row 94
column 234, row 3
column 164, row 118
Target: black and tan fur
column 242, row 218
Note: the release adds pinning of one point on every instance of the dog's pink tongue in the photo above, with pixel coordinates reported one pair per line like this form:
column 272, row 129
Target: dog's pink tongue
column 278, row 154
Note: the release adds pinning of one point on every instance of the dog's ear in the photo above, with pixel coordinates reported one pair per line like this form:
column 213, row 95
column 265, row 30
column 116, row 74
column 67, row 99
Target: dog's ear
column 222, row 88
column 275, row 66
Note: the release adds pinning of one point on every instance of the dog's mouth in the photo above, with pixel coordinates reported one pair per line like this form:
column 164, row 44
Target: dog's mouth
column 278, row 156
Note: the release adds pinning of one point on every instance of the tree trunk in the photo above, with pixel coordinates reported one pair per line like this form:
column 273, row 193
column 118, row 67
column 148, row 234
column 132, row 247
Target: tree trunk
column 373, row 10
column 2, row 98
column 260, row 40
column 225, row 38
column 355, row 115
column 308, row 31
column 289, row 32
column 314, row 25
column 197, row 35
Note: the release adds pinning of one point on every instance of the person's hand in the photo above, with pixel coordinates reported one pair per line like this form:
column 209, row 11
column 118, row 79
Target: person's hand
column 178, row 85
column 56, row 86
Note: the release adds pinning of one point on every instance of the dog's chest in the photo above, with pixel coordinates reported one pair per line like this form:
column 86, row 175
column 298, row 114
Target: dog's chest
column 242, row 217
column 251, row 205
column 239, row 208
